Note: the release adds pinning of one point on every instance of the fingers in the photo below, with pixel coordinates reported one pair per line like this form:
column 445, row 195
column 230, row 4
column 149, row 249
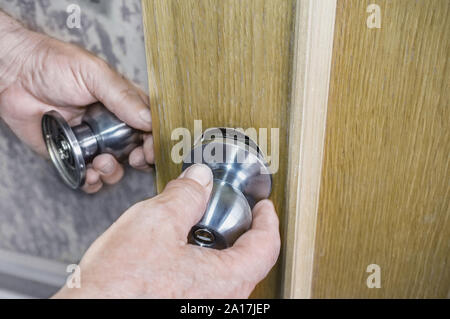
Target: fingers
column 149, row 155
column 105, row 169
column 142, row 156
column 119, row 95
column 185, row 198
column 93, row 182
column 257, row 250
column 109, row 169
column 137, row 160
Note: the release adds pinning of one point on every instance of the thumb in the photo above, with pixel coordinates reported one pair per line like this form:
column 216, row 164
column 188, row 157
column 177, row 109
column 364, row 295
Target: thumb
column 120, row 96
column 185, row 198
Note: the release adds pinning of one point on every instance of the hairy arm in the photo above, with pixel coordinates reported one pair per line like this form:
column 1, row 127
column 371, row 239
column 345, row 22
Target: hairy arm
column 16, row 44
column 39, row 74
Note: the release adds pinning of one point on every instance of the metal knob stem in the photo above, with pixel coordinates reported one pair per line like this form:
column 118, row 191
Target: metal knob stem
column 71, row 149
column 241, row 179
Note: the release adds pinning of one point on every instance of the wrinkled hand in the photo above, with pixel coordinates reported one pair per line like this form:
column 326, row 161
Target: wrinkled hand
column 145, row 254
column 38, row 74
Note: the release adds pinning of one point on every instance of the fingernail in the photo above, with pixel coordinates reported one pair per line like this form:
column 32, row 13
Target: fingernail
column 200, row 173
column 107, row 168
column 145, row 115
column 268, row 203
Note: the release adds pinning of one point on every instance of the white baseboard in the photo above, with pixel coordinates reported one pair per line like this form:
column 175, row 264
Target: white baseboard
column 24, row 276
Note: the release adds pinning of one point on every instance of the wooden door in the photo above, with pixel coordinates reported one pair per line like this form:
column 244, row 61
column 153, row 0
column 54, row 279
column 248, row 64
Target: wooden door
column 363, row 121
column 384, row 196
column 226, row 63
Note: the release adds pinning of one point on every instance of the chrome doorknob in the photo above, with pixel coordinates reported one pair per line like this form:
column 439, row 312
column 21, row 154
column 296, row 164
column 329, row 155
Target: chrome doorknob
column 241, row 179
column 71, row 149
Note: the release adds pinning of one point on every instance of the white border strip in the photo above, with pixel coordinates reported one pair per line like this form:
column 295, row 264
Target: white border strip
column 313, row 50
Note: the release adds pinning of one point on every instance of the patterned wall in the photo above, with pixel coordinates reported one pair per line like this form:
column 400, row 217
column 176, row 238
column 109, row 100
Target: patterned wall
column 38, row 214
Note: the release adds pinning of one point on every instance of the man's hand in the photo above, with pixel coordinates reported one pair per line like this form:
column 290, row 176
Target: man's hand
column 39, row 74
column 145, row 253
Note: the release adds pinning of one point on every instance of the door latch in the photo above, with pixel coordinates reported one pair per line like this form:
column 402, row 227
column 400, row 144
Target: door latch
column 71, row 149
column 241, row 179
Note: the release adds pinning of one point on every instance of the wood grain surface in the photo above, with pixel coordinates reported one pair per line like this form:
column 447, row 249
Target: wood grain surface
column 385, row 185
column 226, row 63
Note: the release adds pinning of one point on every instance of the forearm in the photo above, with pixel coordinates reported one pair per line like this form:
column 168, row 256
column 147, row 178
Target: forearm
column 16, row 44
